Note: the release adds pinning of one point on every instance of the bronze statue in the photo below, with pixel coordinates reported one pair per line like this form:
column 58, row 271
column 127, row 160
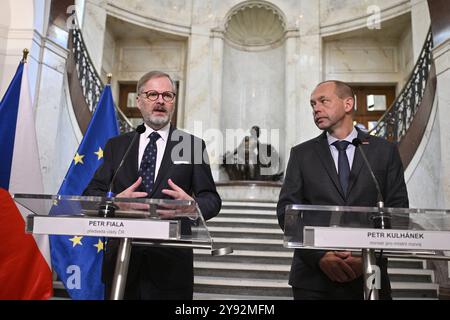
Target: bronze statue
column 252, row 160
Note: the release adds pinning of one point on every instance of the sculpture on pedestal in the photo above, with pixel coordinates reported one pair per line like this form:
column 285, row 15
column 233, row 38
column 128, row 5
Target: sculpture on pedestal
column 252, row 160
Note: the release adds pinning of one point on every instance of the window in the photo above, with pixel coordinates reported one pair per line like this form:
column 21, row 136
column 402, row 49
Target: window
column 127, row 100
column 372, row 103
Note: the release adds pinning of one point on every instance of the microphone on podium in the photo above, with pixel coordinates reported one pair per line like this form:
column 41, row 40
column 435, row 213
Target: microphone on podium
column 139, row 130
column 107, row 209
column 381, row 221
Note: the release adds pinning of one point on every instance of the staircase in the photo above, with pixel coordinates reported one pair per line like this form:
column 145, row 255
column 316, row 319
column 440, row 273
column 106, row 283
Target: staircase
column 258, row 269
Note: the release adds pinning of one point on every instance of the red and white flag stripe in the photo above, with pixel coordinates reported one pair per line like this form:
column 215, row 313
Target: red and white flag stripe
column 25, row 268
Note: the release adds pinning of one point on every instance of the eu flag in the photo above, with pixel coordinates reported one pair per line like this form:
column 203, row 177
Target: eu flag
column 78, row 260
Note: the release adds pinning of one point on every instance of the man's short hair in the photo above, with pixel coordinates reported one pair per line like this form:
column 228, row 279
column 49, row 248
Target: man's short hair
column 342, row 89
column 153, row 75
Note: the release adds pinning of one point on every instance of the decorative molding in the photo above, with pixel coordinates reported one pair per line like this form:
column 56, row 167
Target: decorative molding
column 21, row 34
column 55, row 48
column 255, row 25
column 356, row 23
column 218, row 33
column 162, row 58
column 292, row 33
column 16, row 40
column 4, row 32
column 335, row 65
column 441, row 55
column 147, row 22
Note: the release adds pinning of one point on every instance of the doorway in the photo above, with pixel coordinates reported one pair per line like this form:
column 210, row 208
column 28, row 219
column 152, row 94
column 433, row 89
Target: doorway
column 371, row 103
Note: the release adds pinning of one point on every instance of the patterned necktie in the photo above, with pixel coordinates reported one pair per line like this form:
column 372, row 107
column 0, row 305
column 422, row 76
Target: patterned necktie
column 343, row 165
column 148, row 162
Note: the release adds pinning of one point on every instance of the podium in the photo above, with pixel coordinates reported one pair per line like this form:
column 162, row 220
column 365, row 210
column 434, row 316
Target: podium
column 369, row 232
column 142, row 222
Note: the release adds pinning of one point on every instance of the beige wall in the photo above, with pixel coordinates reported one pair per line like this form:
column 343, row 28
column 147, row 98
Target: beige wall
column 363, row 60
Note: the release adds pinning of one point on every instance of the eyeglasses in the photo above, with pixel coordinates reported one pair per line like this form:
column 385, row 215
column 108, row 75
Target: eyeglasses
column 153, row 95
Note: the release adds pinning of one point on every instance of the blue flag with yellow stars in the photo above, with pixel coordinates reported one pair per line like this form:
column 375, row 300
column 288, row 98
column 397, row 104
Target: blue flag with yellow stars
column 78, row 260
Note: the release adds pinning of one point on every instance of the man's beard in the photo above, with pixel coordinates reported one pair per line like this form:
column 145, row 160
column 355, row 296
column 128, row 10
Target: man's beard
column 158, row 121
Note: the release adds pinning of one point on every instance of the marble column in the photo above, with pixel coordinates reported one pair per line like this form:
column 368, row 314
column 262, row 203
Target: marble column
column 291, row 94
column 22, row 24
column 202, row 111
column 198, row 78
column 442, row 60
column 49, row 107
column 309, row 67
column 213, row 136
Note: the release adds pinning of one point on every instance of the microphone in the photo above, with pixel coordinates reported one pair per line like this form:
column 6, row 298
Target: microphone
column 139, row 130
column 382, row 223
column 108, row 208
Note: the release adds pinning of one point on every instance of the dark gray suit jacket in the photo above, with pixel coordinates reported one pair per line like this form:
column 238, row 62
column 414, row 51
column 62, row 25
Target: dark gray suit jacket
column 311, row 178
column 161, row 269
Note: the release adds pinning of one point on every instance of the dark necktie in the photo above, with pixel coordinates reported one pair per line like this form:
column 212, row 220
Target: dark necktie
column 148, row 162
column 343, row 165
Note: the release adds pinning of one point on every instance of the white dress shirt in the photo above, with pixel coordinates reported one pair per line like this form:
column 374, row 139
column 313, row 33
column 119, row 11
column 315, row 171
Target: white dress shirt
column 160, row 145
column 350, row 149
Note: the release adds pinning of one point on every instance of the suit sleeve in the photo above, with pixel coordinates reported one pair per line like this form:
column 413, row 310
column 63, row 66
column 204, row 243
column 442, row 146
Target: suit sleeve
column 204, row 188
column 396, row 194
column 98, row 186
column 291, row 190
column 291, row 193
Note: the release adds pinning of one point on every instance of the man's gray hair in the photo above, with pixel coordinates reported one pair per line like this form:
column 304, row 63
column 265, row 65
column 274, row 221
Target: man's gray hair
column 152, row 75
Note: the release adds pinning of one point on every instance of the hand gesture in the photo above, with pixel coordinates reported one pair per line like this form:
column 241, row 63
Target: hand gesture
column 176, row 193
column 171, row 211
column 131, row 192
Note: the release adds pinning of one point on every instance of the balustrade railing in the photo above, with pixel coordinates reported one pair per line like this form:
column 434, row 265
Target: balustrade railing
column 91, row 83
column 394, row 124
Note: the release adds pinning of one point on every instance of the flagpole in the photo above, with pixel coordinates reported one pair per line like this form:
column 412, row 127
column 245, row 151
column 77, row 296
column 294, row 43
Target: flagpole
column 108, row 208
column 25, row 53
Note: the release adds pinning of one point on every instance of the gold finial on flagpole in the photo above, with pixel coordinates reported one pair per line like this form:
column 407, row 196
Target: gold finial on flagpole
column 109, row 76
column 25, row 55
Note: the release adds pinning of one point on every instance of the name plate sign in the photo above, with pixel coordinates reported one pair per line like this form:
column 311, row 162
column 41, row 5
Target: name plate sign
column 376, row 238
column 104, row 227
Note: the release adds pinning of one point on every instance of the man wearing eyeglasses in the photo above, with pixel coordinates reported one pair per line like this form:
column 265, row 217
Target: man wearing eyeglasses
column 164, row 163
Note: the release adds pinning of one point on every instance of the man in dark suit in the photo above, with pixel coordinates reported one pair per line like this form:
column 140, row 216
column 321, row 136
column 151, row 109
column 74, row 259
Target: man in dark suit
column 164, row 163
column 313, row 178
